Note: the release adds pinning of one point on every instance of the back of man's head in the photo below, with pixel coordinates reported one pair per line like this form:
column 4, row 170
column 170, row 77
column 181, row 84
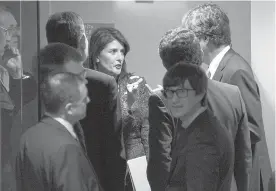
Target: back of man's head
column 64, row 27
column 180, row 44
column 209, row 21
column 68, row 28
column 59, row 89
column 55, row 55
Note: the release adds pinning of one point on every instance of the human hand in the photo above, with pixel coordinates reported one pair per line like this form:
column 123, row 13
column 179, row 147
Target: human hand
column 159, row 87
column 12, row 61
column 132, row 90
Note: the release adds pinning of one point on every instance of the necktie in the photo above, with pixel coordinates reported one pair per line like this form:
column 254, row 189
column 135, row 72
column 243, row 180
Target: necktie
column 79, row 132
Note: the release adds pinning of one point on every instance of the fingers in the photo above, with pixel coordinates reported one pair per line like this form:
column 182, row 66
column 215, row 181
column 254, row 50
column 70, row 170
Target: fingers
column 135, row 84
column 149, row 88
column 133, row 77
column 159, row 86
column 132, row 87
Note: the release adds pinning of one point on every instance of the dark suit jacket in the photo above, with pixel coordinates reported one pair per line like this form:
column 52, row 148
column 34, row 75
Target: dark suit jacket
column 202, row 156
column 228, row 106
column 226, row 103
column 50, row 158
column 233, row 69
column 99, row 126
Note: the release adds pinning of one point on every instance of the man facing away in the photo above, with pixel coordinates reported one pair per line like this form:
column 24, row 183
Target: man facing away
column 100, row 125
column 51, row 154
column 180, row 44
column 212, row 27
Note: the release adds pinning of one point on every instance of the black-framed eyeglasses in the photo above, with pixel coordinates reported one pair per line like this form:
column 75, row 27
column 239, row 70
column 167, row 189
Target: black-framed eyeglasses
column 180, row 93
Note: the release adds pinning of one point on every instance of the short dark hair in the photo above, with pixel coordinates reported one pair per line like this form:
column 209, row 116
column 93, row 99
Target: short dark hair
column 65, row 27
column 54, row 55
column 100, row 38
column 209, row 20
column 180, row 72
column 180, row 44
column 59, row 89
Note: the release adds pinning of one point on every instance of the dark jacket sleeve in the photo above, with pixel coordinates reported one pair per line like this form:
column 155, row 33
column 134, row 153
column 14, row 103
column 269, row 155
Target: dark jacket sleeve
column 111, row 104
column 71, row 171
column 113, row 164
column 160, row 139
column 251, row 96
column 243, row 153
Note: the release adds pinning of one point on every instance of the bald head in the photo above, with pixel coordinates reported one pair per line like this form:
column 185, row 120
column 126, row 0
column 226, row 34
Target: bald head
column 8, row 25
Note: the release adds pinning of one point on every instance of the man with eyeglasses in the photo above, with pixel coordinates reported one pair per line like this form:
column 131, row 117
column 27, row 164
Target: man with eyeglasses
column 17, row 88
column 202, row 150
column 180, row 44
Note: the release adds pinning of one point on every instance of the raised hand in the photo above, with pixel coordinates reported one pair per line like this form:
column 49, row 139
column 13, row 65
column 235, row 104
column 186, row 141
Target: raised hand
column 159, row 87
column 132, row 90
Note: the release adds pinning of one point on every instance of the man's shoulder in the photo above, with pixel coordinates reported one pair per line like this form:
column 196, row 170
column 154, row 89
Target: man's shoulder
column 156, row 98
column 224, row 89
column 47, row 135
column 237, row 62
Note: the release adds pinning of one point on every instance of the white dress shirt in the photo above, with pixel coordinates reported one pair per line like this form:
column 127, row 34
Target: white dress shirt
column 215, row 62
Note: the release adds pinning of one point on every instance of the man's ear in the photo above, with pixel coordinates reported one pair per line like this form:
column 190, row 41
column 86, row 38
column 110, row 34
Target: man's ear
column 69, row 108
column 83, row 47
column 205, row 40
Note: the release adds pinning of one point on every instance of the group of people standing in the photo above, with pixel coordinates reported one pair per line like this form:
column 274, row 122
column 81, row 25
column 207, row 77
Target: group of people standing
column 200, row 131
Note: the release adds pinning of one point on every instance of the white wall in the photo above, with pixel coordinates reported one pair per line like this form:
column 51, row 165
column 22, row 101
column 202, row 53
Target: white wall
column 143, row 24
column 263, row 64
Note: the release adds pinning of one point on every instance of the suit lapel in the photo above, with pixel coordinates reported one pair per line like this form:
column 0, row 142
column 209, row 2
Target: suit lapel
column 219, row 72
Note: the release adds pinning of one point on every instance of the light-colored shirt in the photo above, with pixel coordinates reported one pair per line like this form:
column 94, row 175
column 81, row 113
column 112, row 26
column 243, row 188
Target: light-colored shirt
column 66, row 124
column 215, row 63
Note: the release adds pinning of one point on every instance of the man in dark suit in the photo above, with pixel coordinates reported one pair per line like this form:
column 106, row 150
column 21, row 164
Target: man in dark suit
column 225, row 65
column 224, row 100
column 52, row 155
column 202, row 151
column 99, row 126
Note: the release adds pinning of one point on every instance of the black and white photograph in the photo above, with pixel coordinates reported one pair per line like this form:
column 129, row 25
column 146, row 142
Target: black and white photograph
column 137, row 95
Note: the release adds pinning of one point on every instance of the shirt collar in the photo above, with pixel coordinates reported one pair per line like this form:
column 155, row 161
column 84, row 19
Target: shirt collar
column 215, row 62
column 66, row 124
